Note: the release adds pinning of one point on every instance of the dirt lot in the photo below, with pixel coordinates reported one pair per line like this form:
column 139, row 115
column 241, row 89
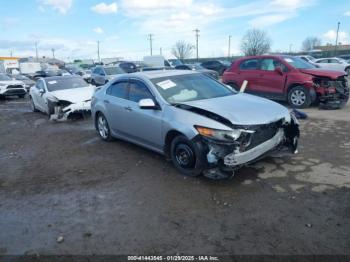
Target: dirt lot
column 60, row 179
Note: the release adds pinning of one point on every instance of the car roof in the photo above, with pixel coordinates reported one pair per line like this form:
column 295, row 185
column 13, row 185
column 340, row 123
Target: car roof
column 161, row 73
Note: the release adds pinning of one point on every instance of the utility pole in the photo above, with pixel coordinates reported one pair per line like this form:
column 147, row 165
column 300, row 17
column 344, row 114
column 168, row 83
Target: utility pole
column 229, row 46
column 36, row 51
column 11, row 53
column 53, row 52
column 160, row 51
column 98, row 51
column 336, row 41
column 150, row 42
column 197, row 35
column 290, row 48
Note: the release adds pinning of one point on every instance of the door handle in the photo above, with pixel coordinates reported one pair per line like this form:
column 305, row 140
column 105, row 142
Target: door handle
column 106, row 101
column 128, row 108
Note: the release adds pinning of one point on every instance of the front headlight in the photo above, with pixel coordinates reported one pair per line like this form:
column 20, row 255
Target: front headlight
column 222, row 135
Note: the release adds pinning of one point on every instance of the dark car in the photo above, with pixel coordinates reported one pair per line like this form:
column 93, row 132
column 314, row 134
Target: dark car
column 28, row 83
column 290, row 79
column 216, row 65
column 49, row 73
column 128, row 67
column 199, row 68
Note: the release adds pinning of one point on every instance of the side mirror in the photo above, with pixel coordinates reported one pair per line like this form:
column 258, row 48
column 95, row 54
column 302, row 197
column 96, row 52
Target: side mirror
column 41, row 91
column 147, row 103
column 278, row 70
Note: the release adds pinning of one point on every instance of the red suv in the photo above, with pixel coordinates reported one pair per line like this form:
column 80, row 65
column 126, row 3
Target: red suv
column 290, row 79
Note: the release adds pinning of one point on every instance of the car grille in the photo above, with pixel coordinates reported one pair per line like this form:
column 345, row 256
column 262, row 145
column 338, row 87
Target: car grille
column 14, row 86
column 341, row 85
column 262, row 134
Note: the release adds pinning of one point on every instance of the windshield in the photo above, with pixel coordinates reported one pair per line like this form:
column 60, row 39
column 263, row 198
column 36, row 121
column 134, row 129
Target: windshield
column 113, row 70
column 298, row 63
column 4, row 78
column 21, row 77
column 191, row 87
column 61, row 83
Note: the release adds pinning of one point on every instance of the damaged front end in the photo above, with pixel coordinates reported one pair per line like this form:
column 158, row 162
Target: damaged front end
column 61, row 110
column 332, row 94
column 248, row 144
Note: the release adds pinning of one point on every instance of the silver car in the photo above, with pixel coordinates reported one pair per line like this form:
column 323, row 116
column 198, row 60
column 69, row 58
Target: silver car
column 100, row 75
column 203, row 126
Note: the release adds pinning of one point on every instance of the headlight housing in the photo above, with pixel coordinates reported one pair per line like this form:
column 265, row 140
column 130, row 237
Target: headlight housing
column 221, row 135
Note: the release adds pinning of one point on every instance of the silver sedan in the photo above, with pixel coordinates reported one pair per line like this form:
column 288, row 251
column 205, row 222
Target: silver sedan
column 203, row 126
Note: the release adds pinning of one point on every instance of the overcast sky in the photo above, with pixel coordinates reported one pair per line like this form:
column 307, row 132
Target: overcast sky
column 73, row 27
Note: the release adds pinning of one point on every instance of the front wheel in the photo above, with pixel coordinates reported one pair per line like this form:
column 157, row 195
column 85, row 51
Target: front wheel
column 299, row 97
column 185, row 156
column 32, row 105
column 103, row 128
column 347, row 70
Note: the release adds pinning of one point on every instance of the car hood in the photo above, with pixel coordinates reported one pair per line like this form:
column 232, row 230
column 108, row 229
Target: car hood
column 333, row 74
column 243, row 109
column 74, row 95
column 12, row 82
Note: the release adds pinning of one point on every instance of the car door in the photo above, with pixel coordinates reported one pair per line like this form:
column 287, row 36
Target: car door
column 336, row 64
column 270, row 82
column 143, row 125
column 248, row 70
column 38, row 95
column 116, row 104
column 323, row 63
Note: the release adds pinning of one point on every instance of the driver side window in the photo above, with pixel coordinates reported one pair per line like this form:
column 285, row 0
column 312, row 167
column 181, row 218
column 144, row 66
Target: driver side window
column 40, row 85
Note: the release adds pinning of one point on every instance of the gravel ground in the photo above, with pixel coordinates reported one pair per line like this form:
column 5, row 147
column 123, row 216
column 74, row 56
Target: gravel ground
column 64, row 191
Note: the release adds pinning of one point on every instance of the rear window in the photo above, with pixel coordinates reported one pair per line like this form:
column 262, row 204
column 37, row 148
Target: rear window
column 251, row 64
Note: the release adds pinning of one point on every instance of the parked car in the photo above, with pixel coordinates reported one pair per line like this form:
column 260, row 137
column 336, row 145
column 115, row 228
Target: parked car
column 49, row 73
column 216, row 65
column 310, row 59
column 198, row 68
column 10, row 87
column 127, row 67
column 87, row 75
column 203, row 126
column 61, row 96
column 102, row 74
column 289, row 78
column 28, row 83
column 334, row 63
column 345, row 57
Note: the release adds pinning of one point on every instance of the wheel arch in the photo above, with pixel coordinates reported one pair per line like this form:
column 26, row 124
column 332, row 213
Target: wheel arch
column 311, row 90
column 171, row 134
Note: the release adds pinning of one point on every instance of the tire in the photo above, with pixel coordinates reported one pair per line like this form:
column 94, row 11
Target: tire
column 299, row 97
column 347, row 70
column 234, row 86
column 185, row 156
column 93, row 82
column 102, row 128
column 32, row 105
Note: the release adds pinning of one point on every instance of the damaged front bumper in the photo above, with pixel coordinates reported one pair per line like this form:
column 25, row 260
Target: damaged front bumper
column 275, row 139
column 63, row 112
column 336, row 95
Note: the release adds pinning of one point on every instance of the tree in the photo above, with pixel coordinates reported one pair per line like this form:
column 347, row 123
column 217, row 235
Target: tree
column 255, row 42
column 182, row 50
column 310, row 42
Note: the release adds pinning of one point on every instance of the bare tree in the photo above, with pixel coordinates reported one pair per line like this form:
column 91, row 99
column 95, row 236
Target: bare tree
column 310, row 42
column 182, row 50
column 255, row 42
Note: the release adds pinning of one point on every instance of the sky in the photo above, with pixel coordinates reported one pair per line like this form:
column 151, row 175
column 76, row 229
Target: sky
column 73, row 27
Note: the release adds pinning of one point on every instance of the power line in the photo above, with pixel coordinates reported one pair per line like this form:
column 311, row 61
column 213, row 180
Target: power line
column 150, row 42
column 53, row 52
column 197, row 35
column 36, row 50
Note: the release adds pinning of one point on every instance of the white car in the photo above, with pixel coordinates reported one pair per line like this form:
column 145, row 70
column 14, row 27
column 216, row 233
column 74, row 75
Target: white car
column 60, row 96
column 10, row 87
column 334, row 63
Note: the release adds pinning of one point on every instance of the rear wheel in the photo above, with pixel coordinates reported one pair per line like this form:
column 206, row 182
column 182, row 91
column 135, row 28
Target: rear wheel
column 185, row 156
column 103, row 127
column 299, row 97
